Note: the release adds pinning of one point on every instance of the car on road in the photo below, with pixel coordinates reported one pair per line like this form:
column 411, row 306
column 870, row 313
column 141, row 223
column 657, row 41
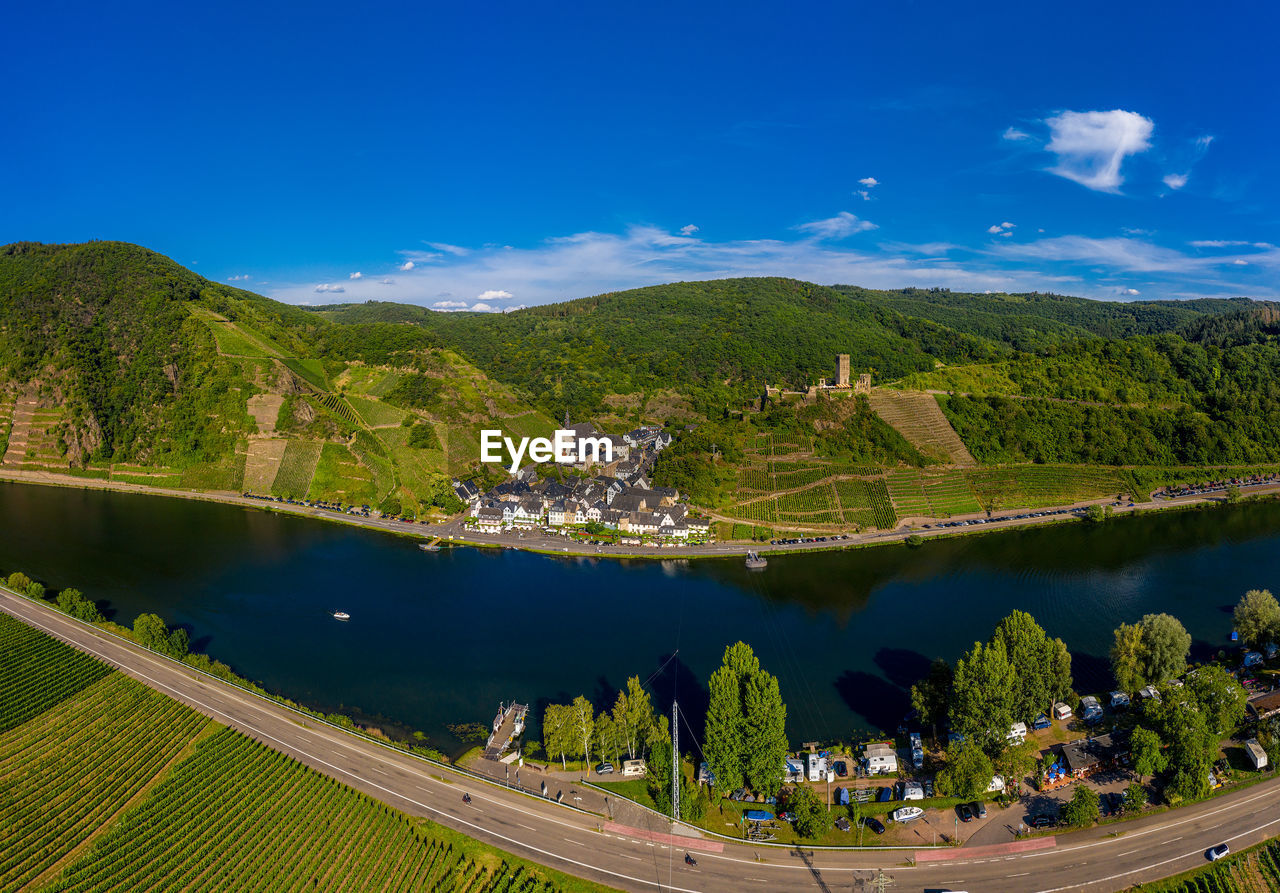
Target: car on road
column 1213, row 854
column 1043, row 820
column 873, row 823
column 979, row 809
column 965, row 813
column 604, row 769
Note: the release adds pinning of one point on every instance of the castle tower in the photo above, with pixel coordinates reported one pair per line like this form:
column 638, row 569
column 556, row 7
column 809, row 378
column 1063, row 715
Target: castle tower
column 842, row 370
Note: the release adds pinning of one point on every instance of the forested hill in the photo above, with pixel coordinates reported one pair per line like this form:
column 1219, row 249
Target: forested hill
column 706, row 337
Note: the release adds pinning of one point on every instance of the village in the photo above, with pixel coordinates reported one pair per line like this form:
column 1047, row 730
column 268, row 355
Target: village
column 600, row 502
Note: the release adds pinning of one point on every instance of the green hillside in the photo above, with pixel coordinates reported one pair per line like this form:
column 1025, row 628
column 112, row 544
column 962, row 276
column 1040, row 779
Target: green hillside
column 117, row 363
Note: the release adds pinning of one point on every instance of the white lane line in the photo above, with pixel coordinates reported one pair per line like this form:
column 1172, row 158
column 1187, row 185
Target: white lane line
column 1158, row 864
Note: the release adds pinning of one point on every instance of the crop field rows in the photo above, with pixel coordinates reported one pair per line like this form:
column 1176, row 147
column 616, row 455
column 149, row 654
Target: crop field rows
column 866, row 504
column 375, row 413
column 70, row 769
column 108, row 784
column 225, row 475
column 297, row 468
column 37, row 672
column 339, row 407
column 1038, row 486
column 236, row 815
column 931, row 494
column 919, row 418
column 338, row 476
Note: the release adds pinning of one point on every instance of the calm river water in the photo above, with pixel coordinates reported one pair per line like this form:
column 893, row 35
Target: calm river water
column 441, row 638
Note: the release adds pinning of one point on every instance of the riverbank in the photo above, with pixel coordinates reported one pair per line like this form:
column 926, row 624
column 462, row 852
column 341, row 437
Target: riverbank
column 454, row 531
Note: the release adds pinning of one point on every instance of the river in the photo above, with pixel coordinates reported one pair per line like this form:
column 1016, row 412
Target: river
column 441, row 638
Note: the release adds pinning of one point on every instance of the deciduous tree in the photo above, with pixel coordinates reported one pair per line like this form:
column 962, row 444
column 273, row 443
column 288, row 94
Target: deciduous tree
column 982, row 699
column 1082, row 809
column 1257, row 617
column 1147, row 751
column 968, row 771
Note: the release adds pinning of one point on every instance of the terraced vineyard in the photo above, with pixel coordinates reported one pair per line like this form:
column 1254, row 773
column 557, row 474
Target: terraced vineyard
column 919, row 419
column 866, row 503
column 297, row 468
column 1039, row 486
column 75, row 766
column 1254, row 871
column 339, row 476
column 237, row 816
column 37, row 672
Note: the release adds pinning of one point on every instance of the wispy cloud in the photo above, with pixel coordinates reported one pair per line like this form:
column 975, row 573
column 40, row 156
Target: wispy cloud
column 1175, row 181
column 688, row 230
column 1002, row 229
column 449, row 305
column 869, row 182
column 1013, row 134
column 455, row 250
column 243, row 277
column 1092, row 146
column 589, row 263
column 356, row 275
column 840, row 226
column 328, row 288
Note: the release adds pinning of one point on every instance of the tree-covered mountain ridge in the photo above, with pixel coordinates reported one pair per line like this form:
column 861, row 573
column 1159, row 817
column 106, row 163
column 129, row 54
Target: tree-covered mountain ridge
column 116, row 361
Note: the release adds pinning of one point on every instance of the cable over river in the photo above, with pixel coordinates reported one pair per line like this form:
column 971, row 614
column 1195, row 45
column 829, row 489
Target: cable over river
column 436, row 638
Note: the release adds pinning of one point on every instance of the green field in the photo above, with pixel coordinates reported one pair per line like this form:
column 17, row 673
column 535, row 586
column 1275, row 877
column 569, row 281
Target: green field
column 297, row 468
column 375, row 413
column 1041, row 486
column 106, row 784
column 75, row 766
column 37, row 672
column 866, row 503
column 339, row 476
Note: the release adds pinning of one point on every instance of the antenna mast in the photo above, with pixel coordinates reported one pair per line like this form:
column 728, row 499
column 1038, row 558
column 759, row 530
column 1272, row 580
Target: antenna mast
column 675, row 762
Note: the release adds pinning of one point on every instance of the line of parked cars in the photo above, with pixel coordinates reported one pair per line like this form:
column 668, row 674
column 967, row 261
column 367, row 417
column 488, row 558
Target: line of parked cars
column 1025, row 515
column 809, row 539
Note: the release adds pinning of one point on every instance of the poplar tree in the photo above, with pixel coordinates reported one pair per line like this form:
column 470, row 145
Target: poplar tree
column 746, row 740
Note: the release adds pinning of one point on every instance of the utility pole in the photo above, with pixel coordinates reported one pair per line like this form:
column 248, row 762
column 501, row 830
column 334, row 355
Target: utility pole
column 675, row 761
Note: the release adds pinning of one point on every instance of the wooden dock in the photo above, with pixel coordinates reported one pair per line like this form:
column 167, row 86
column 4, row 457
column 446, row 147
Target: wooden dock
column 508, row 724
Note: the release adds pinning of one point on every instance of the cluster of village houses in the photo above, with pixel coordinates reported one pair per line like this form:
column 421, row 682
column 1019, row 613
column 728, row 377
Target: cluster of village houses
column 617, row 495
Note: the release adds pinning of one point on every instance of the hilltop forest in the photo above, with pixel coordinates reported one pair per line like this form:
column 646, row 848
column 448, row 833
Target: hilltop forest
column 116, row 362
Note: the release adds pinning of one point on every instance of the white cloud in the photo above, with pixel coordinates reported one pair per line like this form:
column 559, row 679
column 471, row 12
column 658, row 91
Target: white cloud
column 1002, row 229
column 1240, row 262
column 1175, row 181
column 455, row 250
column 869, row 182
column 1130, row 292
column 1092, row 146
column 838, row 227
column 688, row 230
column 1013, row 134
column 1219, row 243
column 407, row 266
column 356, row 275
column 592, row 263
column 494, row 294
column 327, row 288
column 481, row 307
column 243, row 277
column 388, row 281
column 449, row 305
column 1134, row 231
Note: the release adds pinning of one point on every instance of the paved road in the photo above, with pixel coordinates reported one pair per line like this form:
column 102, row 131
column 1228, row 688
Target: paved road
column 585, row 845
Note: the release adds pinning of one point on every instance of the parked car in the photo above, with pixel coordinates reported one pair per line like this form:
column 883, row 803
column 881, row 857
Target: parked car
column 840, row 768
column 739, row 794
column 1043, row 820
column 1217, row 852
column 604, row 769
column 787, row 816
column 965, row 813
column 873, row 823
column 979, row 809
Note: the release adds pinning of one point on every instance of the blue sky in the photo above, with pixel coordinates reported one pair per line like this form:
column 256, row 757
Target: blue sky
column 498, row 155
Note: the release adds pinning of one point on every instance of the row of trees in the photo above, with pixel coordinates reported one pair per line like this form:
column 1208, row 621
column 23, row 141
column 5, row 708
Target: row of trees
column 630, row 728
column 1018, row 673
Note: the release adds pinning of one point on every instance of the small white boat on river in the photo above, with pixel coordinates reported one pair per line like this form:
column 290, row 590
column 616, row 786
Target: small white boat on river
column 341, row 615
